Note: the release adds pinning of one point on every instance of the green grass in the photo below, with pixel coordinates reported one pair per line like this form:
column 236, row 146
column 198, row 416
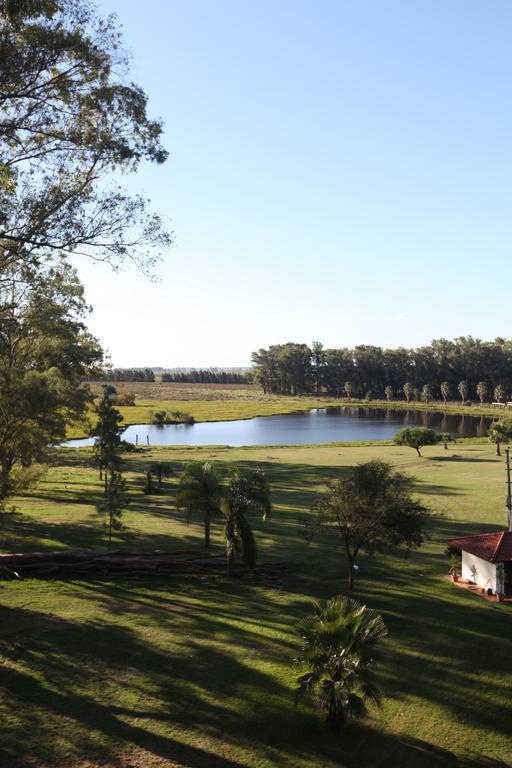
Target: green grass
column 227, row 402
column 197, row 671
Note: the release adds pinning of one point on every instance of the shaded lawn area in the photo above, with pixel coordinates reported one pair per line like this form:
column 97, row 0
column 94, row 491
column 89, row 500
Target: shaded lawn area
column 197, row 671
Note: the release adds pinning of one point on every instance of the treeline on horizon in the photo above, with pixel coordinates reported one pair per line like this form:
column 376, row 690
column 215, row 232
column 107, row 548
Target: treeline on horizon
column 208, row 376
column 125, row 374
column 435, row 371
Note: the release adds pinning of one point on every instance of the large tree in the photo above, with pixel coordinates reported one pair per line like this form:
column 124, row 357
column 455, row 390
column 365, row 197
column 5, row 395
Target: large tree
column 69, row 118
column 415, row 437
column 45, row 353
column 372, row 509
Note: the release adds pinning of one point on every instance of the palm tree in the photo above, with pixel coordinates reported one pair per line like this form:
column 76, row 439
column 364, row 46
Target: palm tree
column 426, row 393
column 161, row 469
column 498, row 433
column 246, row 491
column 200, row 492
column 408, row 390
column 388, row 391
column 445, row 390
column 463, row 390
column 499, row 393
column 482, row 390
column 338, row 642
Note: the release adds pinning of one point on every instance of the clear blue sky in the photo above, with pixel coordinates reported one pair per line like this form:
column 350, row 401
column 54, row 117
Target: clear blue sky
column 338, row 171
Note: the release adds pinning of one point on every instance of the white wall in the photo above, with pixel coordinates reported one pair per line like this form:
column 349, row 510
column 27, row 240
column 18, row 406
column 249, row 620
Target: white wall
column 478, row 570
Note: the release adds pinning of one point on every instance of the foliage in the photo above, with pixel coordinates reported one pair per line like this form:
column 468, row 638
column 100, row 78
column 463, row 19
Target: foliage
column 372, row 509
column 388, row 391
column 200, row 492
column 161, row 469
column 69, row 117
column 408, row 390
column 426, row 393
column 337, row 650
column 415, row 438
column 482, row 391
column 499, row 432
column 445, row 438
column 454, row 564
column 463, row 390
column 247, row 491
column 107, row 432
column 115, row 500
column 45, row 352
column 499, row 393
column 298, row 369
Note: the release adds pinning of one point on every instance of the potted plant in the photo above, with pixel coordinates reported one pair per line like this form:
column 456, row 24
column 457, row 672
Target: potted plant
column 454, row 567
column 502, row 590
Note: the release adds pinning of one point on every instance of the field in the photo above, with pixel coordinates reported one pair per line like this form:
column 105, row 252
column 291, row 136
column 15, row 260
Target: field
column 198, row 671
column 225, row 402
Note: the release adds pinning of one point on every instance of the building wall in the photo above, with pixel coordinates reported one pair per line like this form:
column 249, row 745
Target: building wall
column 478, row 570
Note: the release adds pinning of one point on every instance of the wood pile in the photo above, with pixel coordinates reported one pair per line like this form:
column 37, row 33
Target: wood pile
column 120, row 563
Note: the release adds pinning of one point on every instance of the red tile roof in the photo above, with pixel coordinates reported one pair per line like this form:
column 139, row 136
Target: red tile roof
column 493, row 547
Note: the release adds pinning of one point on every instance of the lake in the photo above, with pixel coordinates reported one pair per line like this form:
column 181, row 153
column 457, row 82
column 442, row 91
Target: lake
column 320, row 425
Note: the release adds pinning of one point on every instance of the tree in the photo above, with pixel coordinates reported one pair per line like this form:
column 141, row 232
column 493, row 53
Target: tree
column 200, row 492
column 247, row 491
column 69, row 117
column 107, row 434
column 114, row 503
column 499, row 432
column 463, row 390
column 388, row 392
column 426, row 393
column 161, row 469
column 337, row 651
column 45, row 355
column 349, row 388
column 416, row 437
column 445, row 390
column 482, row 390
column 372, row 509
column 318, row 359
column 499, row 393
column 408, row 390
column 445, row 438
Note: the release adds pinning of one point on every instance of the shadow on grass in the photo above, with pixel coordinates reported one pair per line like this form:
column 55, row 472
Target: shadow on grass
column 109, row 690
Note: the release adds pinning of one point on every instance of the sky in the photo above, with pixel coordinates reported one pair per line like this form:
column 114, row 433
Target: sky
column 338, row 171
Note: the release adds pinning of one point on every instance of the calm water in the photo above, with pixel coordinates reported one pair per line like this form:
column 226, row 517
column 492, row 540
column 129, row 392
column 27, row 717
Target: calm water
column 326, row 425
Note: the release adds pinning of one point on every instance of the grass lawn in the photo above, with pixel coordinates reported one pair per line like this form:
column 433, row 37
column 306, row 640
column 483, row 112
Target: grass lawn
column 226, row 402
column 197, row 670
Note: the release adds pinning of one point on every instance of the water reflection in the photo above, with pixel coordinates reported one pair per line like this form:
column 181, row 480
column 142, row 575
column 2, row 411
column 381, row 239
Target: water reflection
column 323, row 425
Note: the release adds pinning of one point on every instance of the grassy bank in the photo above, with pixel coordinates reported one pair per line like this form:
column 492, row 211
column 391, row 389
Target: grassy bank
column 197, row 671
column 227, row 402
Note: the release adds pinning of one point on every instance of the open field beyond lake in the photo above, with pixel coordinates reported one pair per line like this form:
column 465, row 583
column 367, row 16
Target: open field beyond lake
column 198, row 670
column 228, row 402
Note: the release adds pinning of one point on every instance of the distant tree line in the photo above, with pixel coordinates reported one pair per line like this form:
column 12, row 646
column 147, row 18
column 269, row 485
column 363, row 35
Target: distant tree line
column 125, row 374
column 208, row 376
column 458, row 369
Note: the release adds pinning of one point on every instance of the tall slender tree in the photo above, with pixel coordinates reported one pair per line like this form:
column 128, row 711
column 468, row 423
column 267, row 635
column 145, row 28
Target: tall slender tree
column 107, row 433
column 482, row 390
column 246, row 492
column 200, row 492
column 463, row 390
column 445, row 390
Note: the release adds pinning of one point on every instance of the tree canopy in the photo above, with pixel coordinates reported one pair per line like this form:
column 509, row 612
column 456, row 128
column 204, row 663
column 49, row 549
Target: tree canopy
column 69, row 118
column 415, row 438
column 371, row 509
column 45, row 353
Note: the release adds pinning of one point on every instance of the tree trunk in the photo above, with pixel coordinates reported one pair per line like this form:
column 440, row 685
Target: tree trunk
column 419, row 454
column 106, row 484
column 110, row 532
column 207, row 533
column 230, row 545
column 101, row 472
column 498, row 452
column 350, row 575
column 4, row 480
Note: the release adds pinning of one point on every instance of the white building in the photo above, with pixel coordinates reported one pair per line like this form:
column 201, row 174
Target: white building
column 487, row 560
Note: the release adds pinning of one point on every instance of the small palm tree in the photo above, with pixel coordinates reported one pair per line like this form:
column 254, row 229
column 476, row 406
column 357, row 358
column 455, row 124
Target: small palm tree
column 349, row 388
column 247, row 491
column 499, row 393
column 482, row 390
column 498, row 433
column 200, row 492
column 445, row 390
column 388, row 391
column 338, row 641
column 426, row 393
column 408, row 390
column 463, row 390
column 161, row 469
